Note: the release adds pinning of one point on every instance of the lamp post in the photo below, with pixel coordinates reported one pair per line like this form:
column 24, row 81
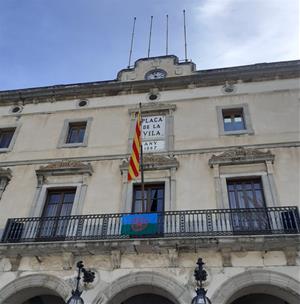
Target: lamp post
column 88, row 277
column 200, row 276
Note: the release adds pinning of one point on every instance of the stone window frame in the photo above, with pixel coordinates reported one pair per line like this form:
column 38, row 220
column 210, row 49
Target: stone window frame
column 166, row 110
column 65, row 130
column 65, row 170
column 16, row 128
column 168, row 203
column 267, row 190
column 5, row 177
column 246, row 115
column 41, row 197
column 157, row 169
column 234, row 163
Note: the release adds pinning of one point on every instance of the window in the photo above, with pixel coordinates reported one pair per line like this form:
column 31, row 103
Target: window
column 6, row 136
column 234, row 120
column 247, row 193
column 76, row 133
column 154, row 196
column 59, row 203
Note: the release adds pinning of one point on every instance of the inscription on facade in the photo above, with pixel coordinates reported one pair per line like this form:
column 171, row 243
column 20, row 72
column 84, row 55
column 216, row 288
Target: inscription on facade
column 153, row 133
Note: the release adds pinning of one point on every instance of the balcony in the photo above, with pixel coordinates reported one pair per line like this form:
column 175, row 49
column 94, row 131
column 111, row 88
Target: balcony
column 169, row 224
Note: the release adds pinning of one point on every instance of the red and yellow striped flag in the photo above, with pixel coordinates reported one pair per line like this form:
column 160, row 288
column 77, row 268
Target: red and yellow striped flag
column 134, row 162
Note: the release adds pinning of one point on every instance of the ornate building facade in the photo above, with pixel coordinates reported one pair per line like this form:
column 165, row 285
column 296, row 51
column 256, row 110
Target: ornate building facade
column 221, row 169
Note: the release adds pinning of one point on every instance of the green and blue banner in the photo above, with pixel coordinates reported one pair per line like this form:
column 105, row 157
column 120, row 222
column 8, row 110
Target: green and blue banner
column 139, row 224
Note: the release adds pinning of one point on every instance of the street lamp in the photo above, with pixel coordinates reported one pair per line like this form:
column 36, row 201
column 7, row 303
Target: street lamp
column 200, row 275
column 88, row 277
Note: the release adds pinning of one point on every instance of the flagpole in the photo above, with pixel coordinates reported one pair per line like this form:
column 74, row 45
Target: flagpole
column 141, row 163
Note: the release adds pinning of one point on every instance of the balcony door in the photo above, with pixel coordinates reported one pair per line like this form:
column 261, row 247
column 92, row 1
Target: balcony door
column 58, row 204
column 154, row 198
column 247, row 194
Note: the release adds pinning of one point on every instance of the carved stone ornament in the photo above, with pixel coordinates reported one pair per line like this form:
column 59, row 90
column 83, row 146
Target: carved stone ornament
column 67, row 260
column 115, row 258
column 290, row 255
column 5, row 177
column 6, row 173
column 241, row 155
column 173, row 257
column 65, row 168
column 155, row 162
column 155, row 108
column 226, row 257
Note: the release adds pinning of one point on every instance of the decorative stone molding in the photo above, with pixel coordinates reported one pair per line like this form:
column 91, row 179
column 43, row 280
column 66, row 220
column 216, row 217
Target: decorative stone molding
column 173, row 257
column 56, row 285
column 154, row 107
column 115, row 258
column 144, row 282
column 262, row 281
column 155, row 162
column 68, row 260
column 64, row 168
column 290, row 255
column 226, row 257
column 5, row 177
column 241, row 155
column 15, row 262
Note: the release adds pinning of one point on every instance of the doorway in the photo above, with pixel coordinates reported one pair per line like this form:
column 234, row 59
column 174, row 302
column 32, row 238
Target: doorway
column 259, row 298
column 147, row 298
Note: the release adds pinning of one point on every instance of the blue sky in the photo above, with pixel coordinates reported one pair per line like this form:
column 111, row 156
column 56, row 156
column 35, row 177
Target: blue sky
column 47, row 42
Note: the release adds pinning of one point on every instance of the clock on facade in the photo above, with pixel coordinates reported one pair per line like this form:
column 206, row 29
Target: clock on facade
column 155, row 74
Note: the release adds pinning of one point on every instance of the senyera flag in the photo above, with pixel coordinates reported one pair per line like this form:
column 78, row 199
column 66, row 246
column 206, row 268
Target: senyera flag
column 134, row 162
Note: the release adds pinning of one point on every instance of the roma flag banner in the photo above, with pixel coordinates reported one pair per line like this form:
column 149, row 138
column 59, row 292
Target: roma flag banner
column 134, row 162
column 139, row 224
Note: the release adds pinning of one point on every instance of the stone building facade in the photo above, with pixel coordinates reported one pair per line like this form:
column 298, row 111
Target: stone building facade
column 221, row 160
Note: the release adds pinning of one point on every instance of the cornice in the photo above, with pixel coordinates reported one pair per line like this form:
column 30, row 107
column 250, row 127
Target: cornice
column 241, row 155
column 65, row 167
column 120, row 157
column 202, row 78
column 183, row 244
column 155, row 162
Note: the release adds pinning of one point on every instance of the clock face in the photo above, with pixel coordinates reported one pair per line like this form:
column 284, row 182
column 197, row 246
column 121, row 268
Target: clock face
column 156, row 74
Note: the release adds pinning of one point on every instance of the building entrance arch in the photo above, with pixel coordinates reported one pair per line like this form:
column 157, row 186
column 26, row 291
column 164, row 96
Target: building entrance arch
column 258, row 284
column 35, row 288
column 138, row 286
column 147, row 298
column 259, row 298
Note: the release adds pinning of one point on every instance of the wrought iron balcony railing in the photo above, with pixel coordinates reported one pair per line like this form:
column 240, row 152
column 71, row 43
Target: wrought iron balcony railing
column 169, row 224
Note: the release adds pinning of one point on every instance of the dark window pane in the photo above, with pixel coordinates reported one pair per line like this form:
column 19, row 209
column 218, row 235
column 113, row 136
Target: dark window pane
column 6, row 137
column 66, row 209
column 232, row 200
column 51, row 210
column 76, row 133
column 138, row 194
column 259, row 198
column 54, row 198
column 154, row 198
column 81, row 134
column 245, row 193
column 250, row 199
column 69, row 197
column 233, row 120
